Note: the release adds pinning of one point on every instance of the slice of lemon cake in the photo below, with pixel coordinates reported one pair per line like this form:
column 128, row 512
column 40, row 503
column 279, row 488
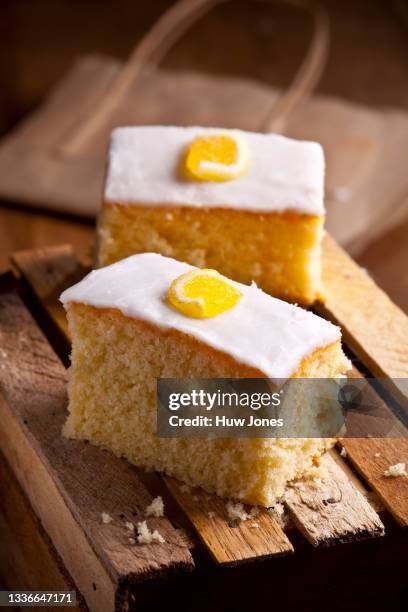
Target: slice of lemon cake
column 149, row 317
column 249, row 205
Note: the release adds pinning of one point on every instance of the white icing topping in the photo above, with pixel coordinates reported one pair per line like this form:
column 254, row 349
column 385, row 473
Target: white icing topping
column 283, row 174
column 260, row 331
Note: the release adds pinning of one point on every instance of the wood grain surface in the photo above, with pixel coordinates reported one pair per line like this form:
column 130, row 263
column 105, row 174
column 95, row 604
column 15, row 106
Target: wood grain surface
column 230, row 542
column 48, row 273
column 372, row 457
column 71, row 483
column 334, row 512
column 374, row 328
column 31, row 562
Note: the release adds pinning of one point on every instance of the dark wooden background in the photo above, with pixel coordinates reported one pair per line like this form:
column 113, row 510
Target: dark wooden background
column 368, row 63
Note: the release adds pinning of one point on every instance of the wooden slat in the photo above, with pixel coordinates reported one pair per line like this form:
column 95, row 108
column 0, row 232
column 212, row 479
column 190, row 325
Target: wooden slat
column 70, row 483
column 373, row 327
column 31, row 562
column 49, row 272
column 371, row 457
column 376, row 330
column 229, row 543
column 379, row 421
column 346, row 467
column 334, row 512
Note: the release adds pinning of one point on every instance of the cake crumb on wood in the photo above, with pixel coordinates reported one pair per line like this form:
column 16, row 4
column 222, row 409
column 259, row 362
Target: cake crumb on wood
column 145, row 536
column 254, row 525
column 106, row 518
column 129, row 526
column 237, row 511
column 132, row 541
column 377, row 455
column 399, row 469
column 343, row 452
column 211, row 514
column 156, row 508
column 277, row 511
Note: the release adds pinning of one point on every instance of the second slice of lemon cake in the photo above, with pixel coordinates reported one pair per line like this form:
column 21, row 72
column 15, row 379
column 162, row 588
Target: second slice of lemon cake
column 135, row 321
column 249, row 205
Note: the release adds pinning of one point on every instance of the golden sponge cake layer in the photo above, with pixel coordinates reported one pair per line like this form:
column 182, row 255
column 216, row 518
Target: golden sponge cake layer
column 116, row 361
column 279, row 251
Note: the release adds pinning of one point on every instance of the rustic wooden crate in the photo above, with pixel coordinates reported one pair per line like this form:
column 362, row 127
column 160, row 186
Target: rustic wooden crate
column 69, row 483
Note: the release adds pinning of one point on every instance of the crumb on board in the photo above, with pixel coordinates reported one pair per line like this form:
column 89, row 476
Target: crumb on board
column 343, row 452
column 211, row 514
column 129, row 526
column 399, row 469
column 156, row 508
column 254, row 525
column 132, row 541
column 106, row 518
column 237, row 511
column 316, row 475
column 145, row 536
column 377, row 455
column 278, row 512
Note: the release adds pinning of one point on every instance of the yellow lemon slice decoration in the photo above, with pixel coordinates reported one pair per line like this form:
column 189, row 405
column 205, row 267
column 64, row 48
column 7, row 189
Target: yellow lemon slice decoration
column 217, row 156
column 202, row 294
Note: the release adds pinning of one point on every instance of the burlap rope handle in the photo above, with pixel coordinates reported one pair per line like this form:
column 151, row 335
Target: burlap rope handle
column 167, row 31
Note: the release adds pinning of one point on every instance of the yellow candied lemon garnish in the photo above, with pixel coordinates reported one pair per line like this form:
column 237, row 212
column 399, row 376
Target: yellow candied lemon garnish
column 202, row 294
column 217, row 156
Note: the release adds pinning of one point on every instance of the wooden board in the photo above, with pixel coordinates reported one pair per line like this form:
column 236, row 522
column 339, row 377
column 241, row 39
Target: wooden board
column 49, row 278
column 70, row 483
column 371, row 457
column 230, row 542
column 31, row 562
column 335, row 512
column 48, row 272
column 373, row 327
column 376, row 330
